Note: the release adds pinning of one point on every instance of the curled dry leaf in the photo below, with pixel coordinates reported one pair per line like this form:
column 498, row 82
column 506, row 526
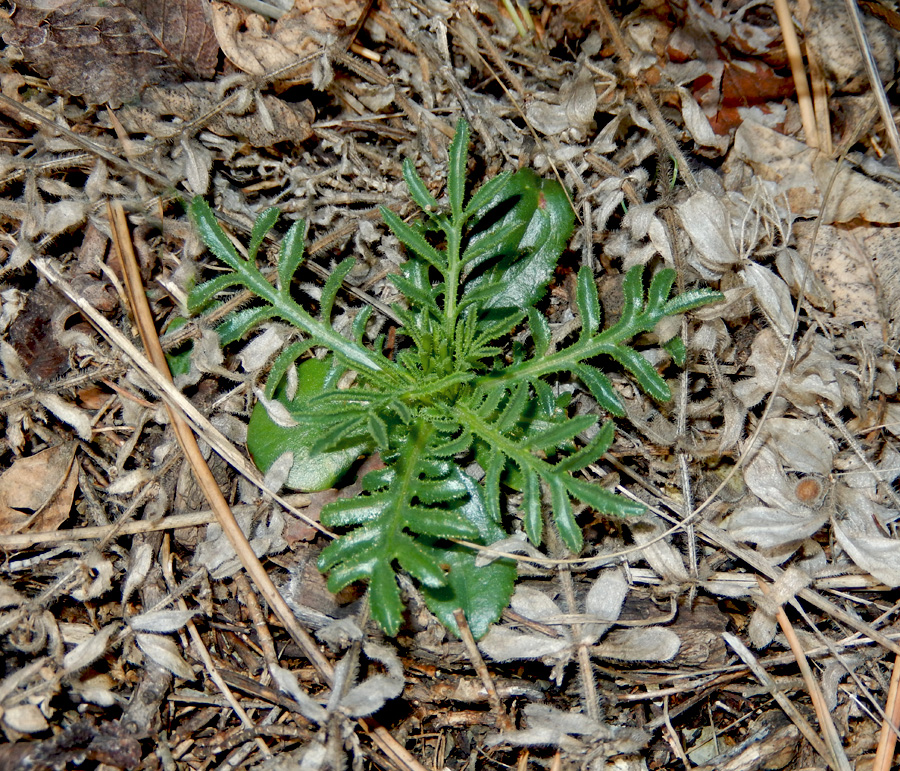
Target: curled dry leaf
column 217, row 555
column 193, row 101
column 360, row 700
column 503, row 644
column 802, row 174
column 872, row 551
column 161, row 621
column 42, row 484
column 287, row 681
column 129, row 482
column 252, row 46
column 263, row 348
column 792, row 266
column 375, row 691
column 801, row 445
column 662, row 555
column 761, row 628
column 25, row 718
column 770, row 528
column 571, row 731
column 568, row 113
column 772, row 296
column 707, row 221
column 654, row 643
column 164, row 652
column 813, row 377
column 698, row 124
column 67, row 413
column 87, row 652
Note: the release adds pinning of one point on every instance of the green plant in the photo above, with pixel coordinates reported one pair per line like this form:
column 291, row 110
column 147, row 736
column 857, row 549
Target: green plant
column 457, row 392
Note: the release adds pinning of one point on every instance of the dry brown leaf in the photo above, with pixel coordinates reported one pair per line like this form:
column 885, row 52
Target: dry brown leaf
column 843, row 261
column 829, row 32
column 181, row 29
column 246, row 41
column 36, row 493
column 802, row 174
column 569, row 112
column 34, row 335
column 191, row 101
column 100, row 52
column 309, row 26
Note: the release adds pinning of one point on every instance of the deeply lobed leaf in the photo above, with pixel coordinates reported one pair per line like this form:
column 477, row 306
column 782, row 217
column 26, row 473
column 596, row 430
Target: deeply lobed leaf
column 445, row 401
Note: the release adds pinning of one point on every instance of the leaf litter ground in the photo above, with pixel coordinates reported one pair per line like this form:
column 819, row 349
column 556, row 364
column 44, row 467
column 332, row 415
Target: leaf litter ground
column 131, row 636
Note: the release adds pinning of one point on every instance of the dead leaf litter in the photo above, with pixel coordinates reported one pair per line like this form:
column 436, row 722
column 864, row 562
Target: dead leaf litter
column 131, row 637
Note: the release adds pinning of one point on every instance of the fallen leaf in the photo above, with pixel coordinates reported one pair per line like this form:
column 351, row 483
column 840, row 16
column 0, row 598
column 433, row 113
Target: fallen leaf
column 707, row 220
column 164, row 652
column 258, row 49
column 87, row 652
column 181, row 29
column 801, row 173
column 842, row 259
column 192, row 101
column 25, row 718
column 36, row 492
column 34, row 335
column 100, row 52
column 800, row 444
column 570, row 112
column 873, row 552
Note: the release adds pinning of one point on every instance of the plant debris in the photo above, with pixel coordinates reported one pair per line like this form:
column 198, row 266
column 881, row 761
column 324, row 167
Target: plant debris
column 747, row 619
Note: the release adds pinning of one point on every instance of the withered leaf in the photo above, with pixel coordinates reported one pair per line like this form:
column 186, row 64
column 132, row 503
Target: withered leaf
column 182, row 30
column 311, row 25
column 192, row 101
column 36, row 493
column 33, row 335
column 100, row 52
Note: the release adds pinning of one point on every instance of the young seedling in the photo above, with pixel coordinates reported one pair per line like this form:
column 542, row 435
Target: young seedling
column 455, row 393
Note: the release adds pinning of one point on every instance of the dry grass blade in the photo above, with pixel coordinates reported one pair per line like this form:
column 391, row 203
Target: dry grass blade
column 881, row 99
column 188, row 442
column 798, row 71
column 99, row 532
column 887, row 740
column 812, row 686
column 783, row 701
column 503, row 721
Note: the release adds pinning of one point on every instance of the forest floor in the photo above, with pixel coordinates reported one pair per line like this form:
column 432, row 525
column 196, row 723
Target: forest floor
column 747, row 620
